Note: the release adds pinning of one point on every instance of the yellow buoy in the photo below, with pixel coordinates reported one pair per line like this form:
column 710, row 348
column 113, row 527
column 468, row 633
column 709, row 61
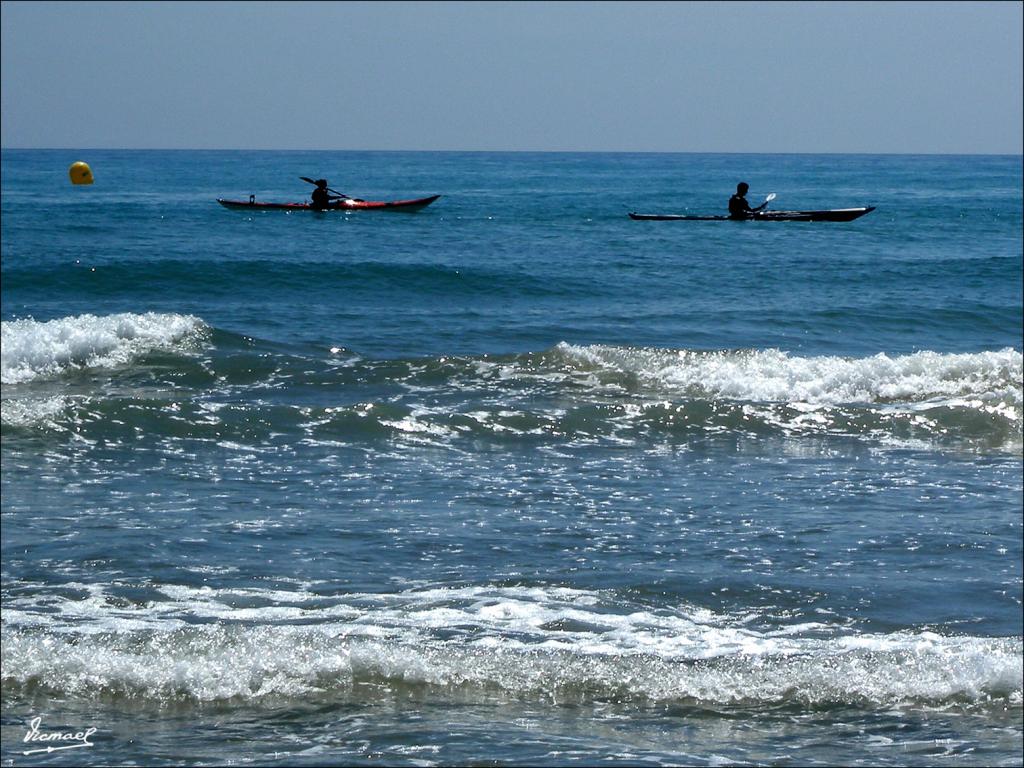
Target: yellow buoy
column 80, row 173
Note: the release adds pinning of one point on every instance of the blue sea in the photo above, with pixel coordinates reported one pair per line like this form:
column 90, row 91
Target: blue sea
column 513, row 479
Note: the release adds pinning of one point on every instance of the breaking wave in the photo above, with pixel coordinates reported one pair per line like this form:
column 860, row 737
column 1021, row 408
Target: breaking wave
column 44, row 350
column 535, row 643
column 173, row 376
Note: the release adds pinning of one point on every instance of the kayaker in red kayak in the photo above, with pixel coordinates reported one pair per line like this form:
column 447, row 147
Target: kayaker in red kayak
column 739, row 208
column 322, row 198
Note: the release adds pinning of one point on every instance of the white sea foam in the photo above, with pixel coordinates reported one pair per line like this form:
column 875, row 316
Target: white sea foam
column 34, row 350
column 992, row 378
column 552, row 643
column 30, row 411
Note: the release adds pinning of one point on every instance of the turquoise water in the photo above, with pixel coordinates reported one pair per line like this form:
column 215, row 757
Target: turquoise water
column 513, row 479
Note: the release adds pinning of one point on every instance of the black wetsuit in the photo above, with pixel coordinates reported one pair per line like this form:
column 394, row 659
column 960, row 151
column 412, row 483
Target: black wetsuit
column 739, row 208
column 321, row 199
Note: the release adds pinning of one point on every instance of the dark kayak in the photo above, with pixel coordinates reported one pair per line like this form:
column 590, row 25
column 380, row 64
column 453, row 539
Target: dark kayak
column 340, row 205
column 838, row 214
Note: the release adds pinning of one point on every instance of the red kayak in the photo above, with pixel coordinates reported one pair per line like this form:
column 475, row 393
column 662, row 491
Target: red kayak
column 340, row 205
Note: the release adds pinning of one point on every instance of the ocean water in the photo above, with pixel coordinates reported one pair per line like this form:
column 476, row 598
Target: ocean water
column 512, row 480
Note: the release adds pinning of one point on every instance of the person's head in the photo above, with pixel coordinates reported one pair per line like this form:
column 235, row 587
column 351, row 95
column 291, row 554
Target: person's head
column 742, row 187
column 322, row 183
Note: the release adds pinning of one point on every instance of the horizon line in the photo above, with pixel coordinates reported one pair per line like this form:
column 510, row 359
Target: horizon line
column 507, row 151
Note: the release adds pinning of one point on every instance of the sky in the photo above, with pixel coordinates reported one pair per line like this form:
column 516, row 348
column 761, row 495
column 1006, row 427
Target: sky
column 842, row 77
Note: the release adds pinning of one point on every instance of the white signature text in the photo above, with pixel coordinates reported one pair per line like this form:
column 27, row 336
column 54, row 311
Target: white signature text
column 65, row 739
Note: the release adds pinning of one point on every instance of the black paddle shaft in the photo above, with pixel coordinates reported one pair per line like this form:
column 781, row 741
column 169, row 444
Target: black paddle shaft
column 306, row 178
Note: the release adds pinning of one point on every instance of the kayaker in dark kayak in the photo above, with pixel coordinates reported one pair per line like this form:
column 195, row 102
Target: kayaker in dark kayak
column 322, row 198
column 739, row 208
